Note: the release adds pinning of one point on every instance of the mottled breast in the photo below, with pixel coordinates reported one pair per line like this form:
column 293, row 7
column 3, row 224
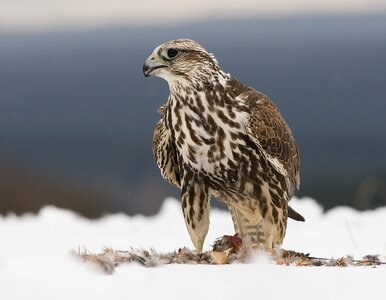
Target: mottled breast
column 209, row 133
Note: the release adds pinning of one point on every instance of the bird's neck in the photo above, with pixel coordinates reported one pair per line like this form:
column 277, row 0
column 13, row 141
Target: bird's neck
column 202, row 80
column 201, row 101
column 211, row 84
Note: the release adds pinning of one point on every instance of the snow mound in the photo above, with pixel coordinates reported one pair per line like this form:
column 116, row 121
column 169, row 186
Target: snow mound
column 36, row 260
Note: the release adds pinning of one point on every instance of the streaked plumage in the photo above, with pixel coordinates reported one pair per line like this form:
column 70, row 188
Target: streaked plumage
column 220, row 137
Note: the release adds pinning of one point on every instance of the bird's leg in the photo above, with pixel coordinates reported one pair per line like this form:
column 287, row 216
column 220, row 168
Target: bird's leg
column 250, row 224
column 195, row 206
column 247, row 223
column 271, row 235
column 275, row 231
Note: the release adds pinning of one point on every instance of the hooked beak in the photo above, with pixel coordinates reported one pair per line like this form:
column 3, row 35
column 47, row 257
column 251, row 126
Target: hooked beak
column 150, row 65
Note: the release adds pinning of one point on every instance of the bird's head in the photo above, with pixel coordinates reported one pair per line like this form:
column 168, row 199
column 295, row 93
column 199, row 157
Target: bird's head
column 178, row 59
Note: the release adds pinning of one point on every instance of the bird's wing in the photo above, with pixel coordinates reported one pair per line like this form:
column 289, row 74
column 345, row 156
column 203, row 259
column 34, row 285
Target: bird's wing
column 267, row 128
column 165, row 154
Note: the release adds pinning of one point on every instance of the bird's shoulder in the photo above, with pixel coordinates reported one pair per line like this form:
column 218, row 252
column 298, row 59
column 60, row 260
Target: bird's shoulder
column 269, row 131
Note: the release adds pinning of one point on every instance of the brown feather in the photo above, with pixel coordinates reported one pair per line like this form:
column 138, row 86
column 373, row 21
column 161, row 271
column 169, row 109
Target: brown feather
column 271, row 133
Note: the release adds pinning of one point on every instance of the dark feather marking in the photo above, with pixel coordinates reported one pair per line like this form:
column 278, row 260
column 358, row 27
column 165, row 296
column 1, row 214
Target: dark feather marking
column 213, row 109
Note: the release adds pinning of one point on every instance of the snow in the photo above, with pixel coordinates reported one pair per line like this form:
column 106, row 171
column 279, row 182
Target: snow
column 36, row 260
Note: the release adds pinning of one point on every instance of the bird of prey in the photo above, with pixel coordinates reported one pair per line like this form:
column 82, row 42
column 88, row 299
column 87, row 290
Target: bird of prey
column 220, row 137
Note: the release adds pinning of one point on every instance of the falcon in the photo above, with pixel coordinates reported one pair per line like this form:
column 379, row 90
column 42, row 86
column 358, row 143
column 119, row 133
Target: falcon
column 218, row 137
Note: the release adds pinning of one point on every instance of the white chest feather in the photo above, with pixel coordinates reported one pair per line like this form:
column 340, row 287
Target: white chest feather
column 204, row 132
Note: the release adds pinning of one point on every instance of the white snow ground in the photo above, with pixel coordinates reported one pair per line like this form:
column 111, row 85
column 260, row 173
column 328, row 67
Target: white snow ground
column 36, row 260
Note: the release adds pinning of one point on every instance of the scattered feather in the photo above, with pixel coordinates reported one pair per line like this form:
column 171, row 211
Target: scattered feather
column 226, row 250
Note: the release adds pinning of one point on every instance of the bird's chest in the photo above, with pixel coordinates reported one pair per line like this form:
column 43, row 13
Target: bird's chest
column 207, row 140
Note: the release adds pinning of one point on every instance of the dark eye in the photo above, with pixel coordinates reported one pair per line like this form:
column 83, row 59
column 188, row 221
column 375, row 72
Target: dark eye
column 172, row 53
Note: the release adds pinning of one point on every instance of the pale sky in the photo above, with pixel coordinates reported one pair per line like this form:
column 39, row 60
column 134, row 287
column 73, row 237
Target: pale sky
column 49, row 14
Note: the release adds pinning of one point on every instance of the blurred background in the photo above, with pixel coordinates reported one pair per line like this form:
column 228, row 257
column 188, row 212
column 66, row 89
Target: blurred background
column 77, row 115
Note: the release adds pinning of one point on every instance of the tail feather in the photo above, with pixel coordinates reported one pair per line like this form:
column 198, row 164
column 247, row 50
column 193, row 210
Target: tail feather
column 295, row 215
